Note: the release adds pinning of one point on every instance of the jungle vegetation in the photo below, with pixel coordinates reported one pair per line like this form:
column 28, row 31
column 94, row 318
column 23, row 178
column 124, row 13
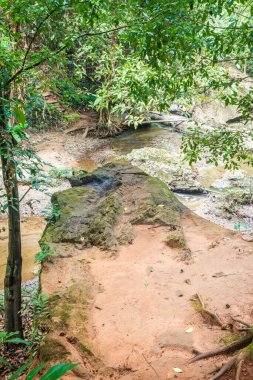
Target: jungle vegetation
column 121, row 59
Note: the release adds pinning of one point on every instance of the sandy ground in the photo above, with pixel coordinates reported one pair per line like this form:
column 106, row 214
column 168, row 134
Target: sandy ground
column 141, row 321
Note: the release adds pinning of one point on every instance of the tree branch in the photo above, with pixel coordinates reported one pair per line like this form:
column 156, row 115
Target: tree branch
column 86, row 34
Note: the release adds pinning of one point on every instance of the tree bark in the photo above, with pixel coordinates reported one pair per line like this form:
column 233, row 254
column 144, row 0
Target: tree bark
column 12, row 282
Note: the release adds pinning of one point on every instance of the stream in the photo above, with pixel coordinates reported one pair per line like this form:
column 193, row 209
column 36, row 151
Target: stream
column 31, row 230
column 155, row 135
column 161, row 136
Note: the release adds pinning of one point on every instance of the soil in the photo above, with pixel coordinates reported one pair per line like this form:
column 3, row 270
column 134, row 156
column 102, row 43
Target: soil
column 130, row 315
column 129, row 311
column 140, row 317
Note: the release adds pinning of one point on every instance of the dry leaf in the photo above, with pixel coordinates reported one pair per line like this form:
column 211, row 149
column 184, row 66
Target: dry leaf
column 177, row 370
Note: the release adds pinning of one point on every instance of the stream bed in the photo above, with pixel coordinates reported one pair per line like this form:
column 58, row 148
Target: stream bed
column 160, row 137
column 213, row 179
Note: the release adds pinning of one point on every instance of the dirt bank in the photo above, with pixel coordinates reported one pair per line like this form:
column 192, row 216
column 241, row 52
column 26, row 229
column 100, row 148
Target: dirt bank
column 128, row 313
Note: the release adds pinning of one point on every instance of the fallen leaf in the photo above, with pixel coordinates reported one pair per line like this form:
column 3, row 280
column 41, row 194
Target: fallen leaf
column 177, row 370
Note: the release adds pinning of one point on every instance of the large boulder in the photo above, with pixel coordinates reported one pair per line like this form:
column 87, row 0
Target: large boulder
column 101, row 207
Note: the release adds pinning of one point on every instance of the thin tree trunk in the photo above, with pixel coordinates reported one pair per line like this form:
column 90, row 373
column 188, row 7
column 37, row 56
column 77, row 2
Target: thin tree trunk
column 12, row 282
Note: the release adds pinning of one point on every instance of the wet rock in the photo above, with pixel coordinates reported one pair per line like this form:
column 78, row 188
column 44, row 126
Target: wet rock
column 99, row 182
column 85, row 218
column 177, row 175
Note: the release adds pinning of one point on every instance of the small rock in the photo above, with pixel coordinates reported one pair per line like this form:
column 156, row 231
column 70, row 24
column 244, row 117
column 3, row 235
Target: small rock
column 179, row 293
column 248, row 238
column 71, row 339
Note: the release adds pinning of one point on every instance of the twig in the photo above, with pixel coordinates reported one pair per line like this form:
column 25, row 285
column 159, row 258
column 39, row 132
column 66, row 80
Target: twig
column 27, row 191
column 151, row 366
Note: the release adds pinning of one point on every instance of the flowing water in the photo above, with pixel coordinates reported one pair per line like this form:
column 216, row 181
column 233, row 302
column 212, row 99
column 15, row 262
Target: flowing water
column 158, row 135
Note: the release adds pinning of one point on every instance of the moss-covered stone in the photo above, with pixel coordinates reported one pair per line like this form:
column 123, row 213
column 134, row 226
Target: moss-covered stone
column 126, row 234
column 176, row 239
column 171, row 169
column 90, row 213
column 160, row 205
column 86, row 218
column 51, row 350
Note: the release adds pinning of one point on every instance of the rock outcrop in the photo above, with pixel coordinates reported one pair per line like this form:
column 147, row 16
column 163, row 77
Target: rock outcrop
column 99, row 207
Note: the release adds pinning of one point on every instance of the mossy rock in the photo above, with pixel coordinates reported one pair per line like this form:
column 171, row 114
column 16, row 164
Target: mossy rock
column 176, row 239
column 86, row 218
column 90, row 213
column 170, row 168
column 160, row 205
column 52, row 350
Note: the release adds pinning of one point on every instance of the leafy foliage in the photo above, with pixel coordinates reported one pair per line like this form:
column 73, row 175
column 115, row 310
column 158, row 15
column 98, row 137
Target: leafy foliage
column 46, row 251
column 218, row 145
column 54, row 373
column 6, row 337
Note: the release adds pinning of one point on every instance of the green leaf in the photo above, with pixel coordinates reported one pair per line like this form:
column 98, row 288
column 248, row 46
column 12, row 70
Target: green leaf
column 17, row 340
column 16, row 374
column 57, row 371
column 19, row 115
column 31, row 375
column 5, row 363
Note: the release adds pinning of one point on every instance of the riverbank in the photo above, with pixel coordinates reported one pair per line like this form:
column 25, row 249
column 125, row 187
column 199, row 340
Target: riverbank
column 127, row 309
column 66, row 151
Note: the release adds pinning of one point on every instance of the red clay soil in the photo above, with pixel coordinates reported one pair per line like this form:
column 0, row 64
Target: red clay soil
column 141, row 321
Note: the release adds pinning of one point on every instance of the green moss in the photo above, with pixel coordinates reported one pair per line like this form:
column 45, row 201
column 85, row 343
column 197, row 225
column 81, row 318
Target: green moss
column 160, row 206
column 230, row 338
column 72, row 118
column 84, row 218
column 51, row 349
column 196, row 304
column 100, row 230
column 70, row 307
column 176, row 239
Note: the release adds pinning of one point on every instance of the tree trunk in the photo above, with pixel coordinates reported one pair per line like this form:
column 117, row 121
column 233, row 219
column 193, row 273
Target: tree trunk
column 12, row 282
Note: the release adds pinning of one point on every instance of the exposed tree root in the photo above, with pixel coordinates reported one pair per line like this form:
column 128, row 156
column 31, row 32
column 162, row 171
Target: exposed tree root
column 207, row 314
column 226, row 367
column 238, row 369
column 238, row 345
column 235, row 361
column 241, row 322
